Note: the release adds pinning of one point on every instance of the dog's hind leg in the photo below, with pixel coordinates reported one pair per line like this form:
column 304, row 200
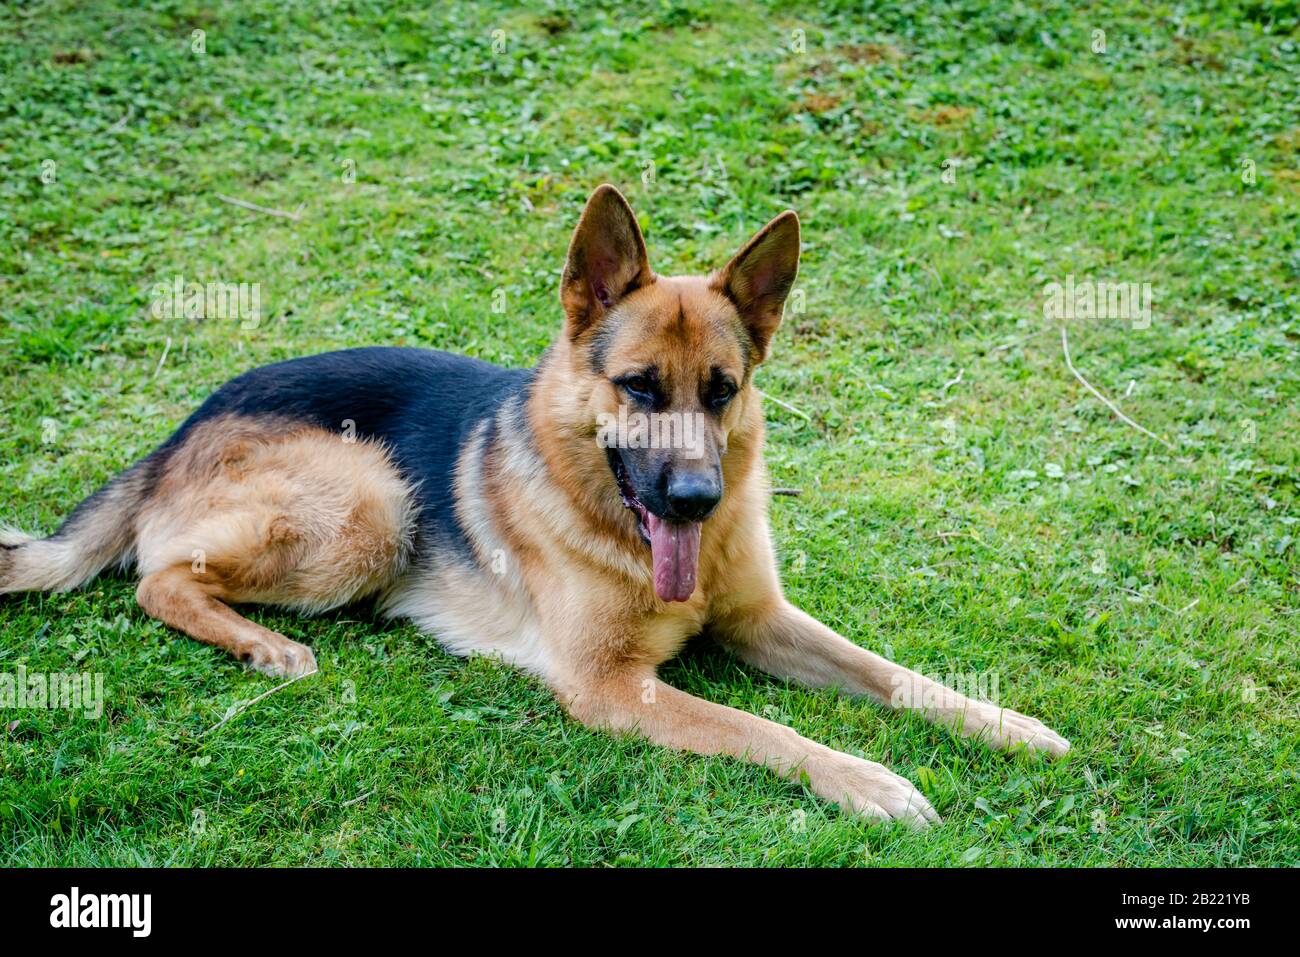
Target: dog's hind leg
column 193, row 604
column 246, row 514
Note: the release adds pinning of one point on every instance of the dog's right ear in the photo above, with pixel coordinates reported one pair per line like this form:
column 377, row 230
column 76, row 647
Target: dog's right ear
column 607, row 260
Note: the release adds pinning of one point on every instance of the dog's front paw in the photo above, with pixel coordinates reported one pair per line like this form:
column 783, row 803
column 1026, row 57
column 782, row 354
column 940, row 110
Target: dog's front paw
column 870, row 790
column 1008, row 730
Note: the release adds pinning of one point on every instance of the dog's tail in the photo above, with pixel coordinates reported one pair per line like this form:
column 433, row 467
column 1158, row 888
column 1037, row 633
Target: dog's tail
column 100, row 531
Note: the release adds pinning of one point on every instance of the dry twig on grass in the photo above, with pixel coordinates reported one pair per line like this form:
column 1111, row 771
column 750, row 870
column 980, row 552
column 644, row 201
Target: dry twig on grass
column 244, row 204
column 1065, row 347
column 248, row 704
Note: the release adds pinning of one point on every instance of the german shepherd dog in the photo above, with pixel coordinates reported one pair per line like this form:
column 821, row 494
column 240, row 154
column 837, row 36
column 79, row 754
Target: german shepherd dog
column 488, row 506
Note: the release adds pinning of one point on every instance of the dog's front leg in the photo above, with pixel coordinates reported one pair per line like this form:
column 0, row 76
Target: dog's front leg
column 634, row 700
column 785, row 641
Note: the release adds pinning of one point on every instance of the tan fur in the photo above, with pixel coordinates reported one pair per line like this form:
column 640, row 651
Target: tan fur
column 198, row 607
column 290, row 516
column 251, row 511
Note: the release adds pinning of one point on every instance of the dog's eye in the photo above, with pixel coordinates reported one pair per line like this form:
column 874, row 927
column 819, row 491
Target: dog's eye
column 720, row 393
column 639, row 387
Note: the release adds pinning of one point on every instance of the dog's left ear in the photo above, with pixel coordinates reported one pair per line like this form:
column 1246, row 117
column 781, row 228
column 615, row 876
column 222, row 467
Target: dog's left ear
column 607, row 260
column 759, row 278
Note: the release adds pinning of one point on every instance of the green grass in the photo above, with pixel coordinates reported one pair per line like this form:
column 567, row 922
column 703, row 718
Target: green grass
column 1140, row 600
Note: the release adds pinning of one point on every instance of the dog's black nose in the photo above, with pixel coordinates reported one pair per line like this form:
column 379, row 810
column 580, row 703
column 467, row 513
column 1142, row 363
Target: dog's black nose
column 693, row 495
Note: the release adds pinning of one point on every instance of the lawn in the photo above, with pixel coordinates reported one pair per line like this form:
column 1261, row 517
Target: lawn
column 968, row 506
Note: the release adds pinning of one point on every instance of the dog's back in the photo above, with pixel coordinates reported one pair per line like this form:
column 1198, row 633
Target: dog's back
column 308, row 484
column 419, row 404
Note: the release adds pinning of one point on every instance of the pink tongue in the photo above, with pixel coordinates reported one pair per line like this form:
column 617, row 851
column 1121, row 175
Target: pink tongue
column 675, row 551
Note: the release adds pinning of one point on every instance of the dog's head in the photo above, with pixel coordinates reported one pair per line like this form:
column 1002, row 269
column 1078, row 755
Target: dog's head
column 666, row 362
